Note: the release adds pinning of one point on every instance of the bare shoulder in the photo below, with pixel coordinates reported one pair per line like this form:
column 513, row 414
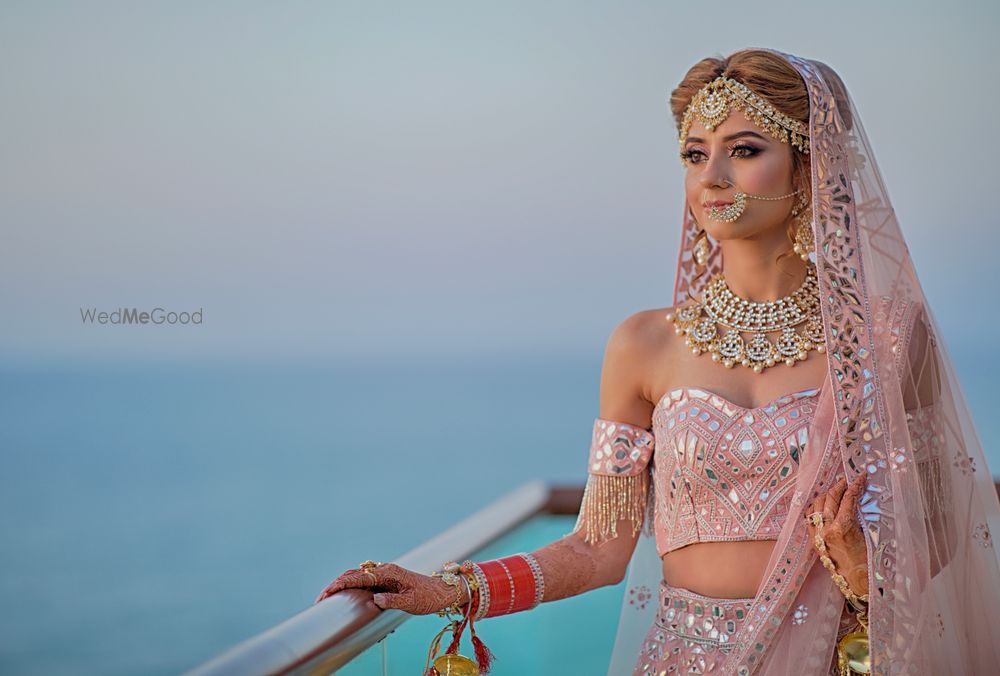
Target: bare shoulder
column 642, row 332
column 634, row 349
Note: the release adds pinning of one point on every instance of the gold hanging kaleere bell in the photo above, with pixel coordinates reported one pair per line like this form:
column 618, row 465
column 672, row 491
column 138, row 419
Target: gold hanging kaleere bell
column 449, row 664
column 853, row 656
column 455, row 665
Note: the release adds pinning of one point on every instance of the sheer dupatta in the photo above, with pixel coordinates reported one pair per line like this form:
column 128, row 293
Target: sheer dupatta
column 891, row 407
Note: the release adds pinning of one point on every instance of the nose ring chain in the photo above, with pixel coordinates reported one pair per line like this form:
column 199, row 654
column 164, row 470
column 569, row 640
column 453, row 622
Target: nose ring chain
column 735, row 210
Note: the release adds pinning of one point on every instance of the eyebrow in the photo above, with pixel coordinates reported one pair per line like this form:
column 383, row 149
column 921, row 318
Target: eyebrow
column 747, row 132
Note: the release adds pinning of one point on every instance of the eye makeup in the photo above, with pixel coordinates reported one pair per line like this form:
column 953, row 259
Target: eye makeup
column 746, row 149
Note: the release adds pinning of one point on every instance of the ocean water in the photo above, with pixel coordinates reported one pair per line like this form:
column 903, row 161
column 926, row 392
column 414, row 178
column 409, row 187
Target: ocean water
column 152, row 516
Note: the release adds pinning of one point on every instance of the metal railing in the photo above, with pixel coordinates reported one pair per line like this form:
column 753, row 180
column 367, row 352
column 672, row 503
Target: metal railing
column 326, row 636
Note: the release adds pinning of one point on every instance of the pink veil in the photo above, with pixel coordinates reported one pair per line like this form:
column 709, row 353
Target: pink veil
column 891, row 407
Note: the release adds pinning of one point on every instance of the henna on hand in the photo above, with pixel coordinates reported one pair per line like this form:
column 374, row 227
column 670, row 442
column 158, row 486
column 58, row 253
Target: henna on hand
column 845, row 540
column 399, row 588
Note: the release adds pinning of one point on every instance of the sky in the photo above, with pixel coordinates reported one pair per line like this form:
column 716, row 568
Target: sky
column 370, row 179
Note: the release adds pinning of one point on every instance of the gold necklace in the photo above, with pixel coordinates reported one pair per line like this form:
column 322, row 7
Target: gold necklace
column 699, row 320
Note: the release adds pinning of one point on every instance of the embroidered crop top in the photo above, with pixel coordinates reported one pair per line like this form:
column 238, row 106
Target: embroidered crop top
column 719, row 472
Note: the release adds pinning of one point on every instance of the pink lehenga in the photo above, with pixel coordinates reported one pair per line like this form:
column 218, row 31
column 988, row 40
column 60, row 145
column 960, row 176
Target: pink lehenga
column 720, row 472
column 891, row 407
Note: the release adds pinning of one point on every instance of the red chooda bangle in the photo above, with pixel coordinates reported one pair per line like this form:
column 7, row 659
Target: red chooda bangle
column 508, row 585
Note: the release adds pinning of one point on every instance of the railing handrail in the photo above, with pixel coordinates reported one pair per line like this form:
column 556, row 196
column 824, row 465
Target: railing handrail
column 326, row 636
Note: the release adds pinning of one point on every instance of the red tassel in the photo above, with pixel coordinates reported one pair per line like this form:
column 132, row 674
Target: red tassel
column 484, row 657
column 456, row 640
column 483, row 654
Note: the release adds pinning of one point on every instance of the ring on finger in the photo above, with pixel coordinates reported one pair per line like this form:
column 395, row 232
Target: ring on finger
column 816, row 519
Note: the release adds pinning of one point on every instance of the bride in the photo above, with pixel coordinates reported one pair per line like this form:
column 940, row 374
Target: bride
column 784, row 470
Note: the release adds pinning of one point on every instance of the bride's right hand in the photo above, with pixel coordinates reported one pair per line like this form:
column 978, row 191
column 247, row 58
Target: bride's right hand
column 397, row 587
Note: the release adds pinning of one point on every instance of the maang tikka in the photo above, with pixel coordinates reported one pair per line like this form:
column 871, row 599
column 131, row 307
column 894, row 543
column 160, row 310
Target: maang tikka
column 713, row 103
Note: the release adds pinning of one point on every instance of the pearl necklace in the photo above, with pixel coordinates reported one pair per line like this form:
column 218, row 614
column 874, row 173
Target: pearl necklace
column 699, row 320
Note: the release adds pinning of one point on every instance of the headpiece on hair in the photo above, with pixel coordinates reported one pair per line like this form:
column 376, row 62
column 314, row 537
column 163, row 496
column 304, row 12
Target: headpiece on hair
column 713, row 103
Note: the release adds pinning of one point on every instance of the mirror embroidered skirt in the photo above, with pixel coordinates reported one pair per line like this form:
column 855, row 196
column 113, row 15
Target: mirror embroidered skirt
column 692, row 633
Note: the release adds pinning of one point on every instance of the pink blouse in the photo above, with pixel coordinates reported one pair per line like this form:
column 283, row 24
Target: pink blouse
column 720, row 472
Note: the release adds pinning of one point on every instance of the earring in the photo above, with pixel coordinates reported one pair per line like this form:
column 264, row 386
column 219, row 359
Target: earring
column 804, row 241
column 702, row 249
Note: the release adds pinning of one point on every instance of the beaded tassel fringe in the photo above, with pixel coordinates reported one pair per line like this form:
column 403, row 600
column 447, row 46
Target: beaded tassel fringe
column 937, row 494
column 608, row 499
column 929, row 448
